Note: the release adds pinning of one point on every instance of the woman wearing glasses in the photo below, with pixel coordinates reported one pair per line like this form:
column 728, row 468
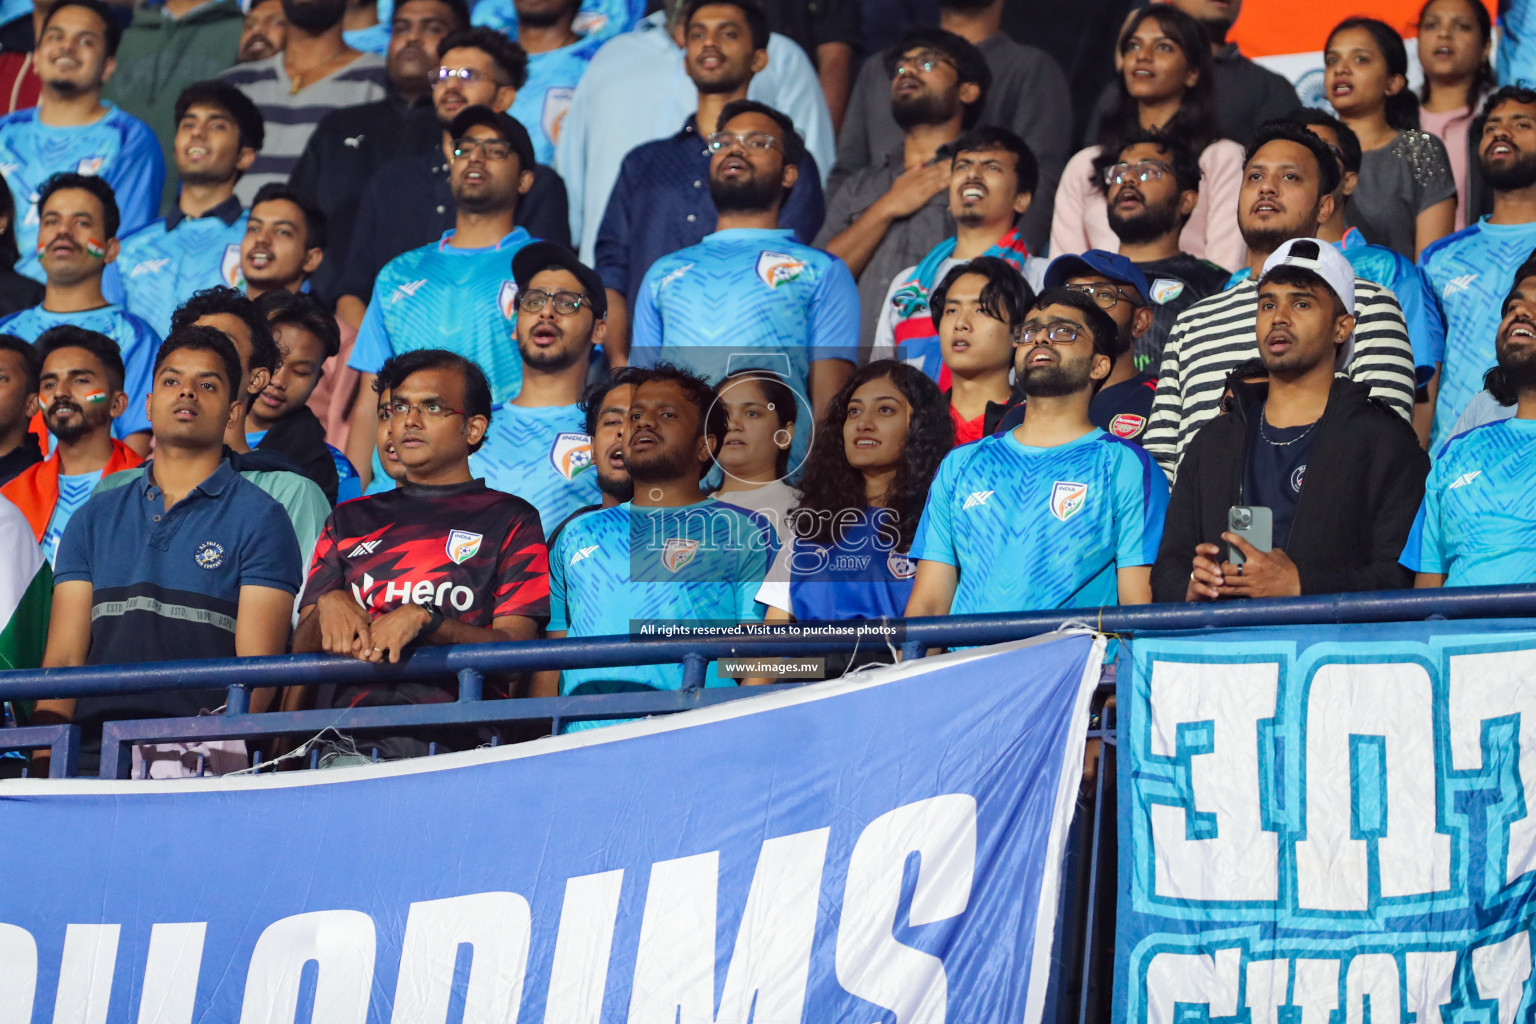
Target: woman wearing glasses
column 1166, row 85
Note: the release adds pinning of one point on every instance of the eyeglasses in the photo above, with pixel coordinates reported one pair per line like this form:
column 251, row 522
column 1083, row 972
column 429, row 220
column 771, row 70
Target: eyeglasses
column 760, row 141
column 566, row 303
column 1059, row 333
column 470, row 76
column 431, row 409
column 924, row 61
column 1141, row 170
column 1105, row 296
column 494, row 149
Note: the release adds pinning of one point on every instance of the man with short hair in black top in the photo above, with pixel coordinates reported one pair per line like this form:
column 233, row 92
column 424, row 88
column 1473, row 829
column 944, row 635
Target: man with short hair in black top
column 19, row 369
column 279, row 418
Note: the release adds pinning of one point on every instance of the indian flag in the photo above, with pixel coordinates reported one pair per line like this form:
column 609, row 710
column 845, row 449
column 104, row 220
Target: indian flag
column 26, row 594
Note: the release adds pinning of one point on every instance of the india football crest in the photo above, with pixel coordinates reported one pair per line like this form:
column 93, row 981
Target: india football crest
column 462, row 545
column 1067, row 499
column 556, row 102
column 1166, row 289
column 775, row 268
column 506, row 299
column 678, row 552
column 571, row 453
column 229, row 267
column 91, row 166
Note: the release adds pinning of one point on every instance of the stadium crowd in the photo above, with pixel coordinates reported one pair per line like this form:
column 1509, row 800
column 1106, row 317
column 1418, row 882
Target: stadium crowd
column 348, row 326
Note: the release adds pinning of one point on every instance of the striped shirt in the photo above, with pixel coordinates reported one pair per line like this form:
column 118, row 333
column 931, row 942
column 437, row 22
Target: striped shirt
column 1216, row 334
column 291, row 116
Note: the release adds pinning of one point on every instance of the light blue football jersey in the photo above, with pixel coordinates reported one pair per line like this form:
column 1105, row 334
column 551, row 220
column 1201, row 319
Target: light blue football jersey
column 543, row 100
column 542, row 455
column 598, row 19
column 1038, row 528
column 616, row 569
column 1470, row 273
column 159, row 267
column 1477, row 523
column 437, row 296
column 119, row 148
column 136, row 341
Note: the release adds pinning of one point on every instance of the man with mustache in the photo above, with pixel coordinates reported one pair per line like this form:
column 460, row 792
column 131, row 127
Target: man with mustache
column 1340, row 476
column 77, row 240
column 537, row 446
column 315, row 74
column 1055, row 513
column 1471, row 270
column 72, row 129
column 80, row 390
column 1479, row 512
column 263, row 33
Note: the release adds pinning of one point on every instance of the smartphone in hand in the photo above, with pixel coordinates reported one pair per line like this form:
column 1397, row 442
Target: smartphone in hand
column 1253, row 523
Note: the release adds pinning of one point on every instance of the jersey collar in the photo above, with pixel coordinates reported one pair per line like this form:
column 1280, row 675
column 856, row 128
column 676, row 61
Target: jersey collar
column 228, row 211
column 517, row 238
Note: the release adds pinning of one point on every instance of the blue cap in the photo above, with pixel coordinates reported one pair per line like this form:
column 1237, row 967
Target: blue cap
column 1096, row 261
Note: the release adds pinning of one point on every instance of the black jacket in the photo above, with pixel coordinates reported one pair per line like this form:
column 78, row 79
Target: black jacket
column 1364, row 482
column 300, row 438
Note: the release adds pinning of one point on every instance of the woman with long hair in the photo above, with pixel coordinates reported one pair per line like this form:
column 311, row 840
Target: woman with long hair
column 17, row 292
column 1166, row 84
column 1406, row 195
column 1455, row 37
column 866, row 481
column 754, row 454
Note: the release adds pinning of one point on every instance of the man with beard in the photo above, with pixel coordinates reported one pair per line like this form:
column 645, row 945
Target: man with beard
column 1339, row 476
column 1479, row 512
column 537, row 446
column 71, row 129
column 605, row 404
column 1054, row 513
column 671, row 553
column 749, row 295
column 455, row 292
column 888, row 215
column 78, row 241
column 658, row 204
column 81, row 391
column 315, row 74
column 992, row 180
column 264, row 31
column 218, row 134
column 1472, row 270
column 409, row 201
column 1289, row 178
column 1155, row 187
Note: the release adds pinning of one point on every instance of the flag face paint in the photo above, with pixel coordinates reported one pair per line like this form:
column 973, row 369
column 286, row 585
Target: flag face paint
column 95, row 397
column 96, row 248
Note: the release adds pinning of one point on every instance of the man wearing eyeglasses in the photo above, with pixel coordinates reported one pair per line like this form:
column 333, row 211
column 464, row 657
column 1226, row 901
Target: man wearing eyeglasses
column 537, row 446
column 455, row 293
column 1054, row 513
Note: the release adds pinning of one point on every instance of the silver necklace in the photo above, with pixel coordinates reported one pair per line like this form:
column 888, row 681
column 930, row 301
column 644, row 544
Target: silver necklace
column 1281, row 444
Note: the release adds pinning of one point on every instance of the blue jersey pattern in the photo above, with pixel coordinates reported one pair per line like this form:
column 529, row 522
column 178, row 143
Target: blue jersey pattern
column 1470, row 273
column 74, row 491
column 543, row 100
column 160, row 269
column 1477, row 524
column 1037, row 528
column 542, row 455
column 861, row 576
column 1398, row 274
column 623, row 565
column 136, row 340
column 1517, row 44
column 118, row 148
column 440, row 297
column 600, row 20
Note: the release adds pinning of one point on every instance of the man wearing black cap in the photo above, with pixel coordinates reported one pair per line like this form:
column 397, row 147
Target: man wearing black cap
column 454, row 293
column 537, row 446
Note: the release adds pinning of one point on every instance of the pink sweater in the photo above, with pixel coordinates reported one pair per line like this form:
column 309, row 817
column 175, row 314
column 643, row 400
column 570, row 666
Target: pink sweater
column 1081, row 221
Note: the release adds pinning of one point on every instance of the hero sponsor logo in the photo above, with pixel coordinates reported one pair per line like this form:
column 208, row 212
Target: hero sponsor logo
column 442, row 593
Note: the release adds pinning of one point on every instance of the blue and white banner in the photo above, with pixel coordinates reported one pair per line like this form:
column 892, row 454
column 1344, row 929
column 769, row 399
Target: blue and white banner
column 880, row 848
column 1328, row 825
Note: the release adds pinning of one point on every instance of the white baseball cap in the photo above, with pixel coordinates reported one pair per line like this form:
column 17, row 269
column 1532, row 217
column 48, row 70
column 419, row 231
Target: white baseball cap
column 1325, row 260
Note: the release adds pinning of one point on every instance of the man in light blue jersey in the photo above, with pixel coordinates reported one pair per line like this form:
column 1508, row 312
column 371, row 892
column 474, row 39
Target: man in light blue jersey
column 537, row 446
column 669, row 554
column 218, row 133
column 1478, row 518
column 599, row 20
column 1472, row 270
column 558, row 55
column 77, row 241
column 455, row 293
column 71, row 129
column 750, row 295
column 1055, row 513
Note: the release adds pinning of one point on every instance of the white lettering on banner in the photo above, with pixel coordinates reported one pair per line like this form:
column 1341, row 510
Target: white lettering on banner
column 85, row 973
column 675, row 965
column 170, row 973
column 1240, row 861
column 1209, row 980
column 1428, row 977
column 18, row 974
column 1373, row 976
column 1265, row 983
column 498, row 926
column 1500, row 972
column 871, row 964
column 342, row 941
column 1317, row 990
column 579, row 975
column 1495, row 685
column 1396, row 703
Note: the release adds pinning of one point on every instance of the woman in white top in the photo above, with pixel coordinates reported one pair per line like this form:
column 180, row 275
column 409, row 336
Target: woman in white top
column 760, row 413
column 1166, row 84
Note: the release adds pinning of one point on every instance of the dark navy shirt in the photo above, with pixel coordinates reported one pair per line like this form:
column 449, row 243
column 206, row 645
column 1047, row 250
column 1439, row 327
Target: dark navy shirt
column 1277, row 465
column 661, row 204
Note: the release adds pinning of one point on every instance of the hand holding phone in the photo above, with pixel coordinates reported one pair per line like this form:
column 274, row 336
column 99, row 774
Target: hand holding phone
column 1255, row 524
